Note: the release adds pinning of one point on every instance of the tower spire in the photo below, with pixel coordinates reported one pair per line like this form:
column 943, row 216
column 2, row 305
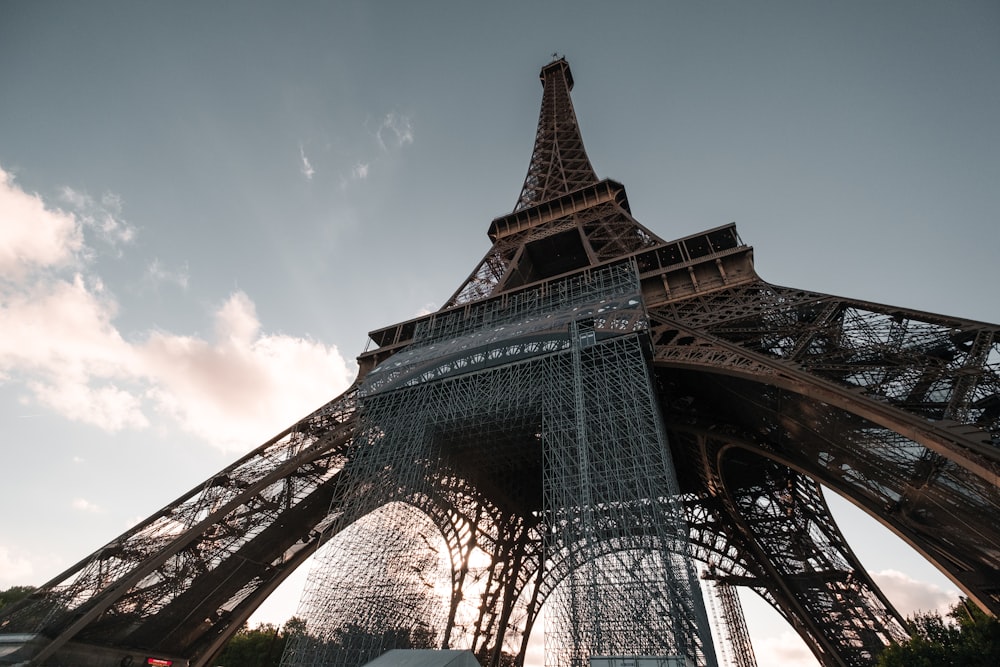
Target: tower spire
column 559, row 162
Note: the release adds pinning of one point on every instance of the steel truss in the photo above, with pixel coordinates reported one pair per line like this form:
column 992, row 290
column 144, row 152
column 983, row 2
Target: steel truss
column 896, row 409
column 545, row 464
column 767, row 527
column 592, row 408
column 727, row 614
column 559, row 162
column 616, row 537
column 185, row 579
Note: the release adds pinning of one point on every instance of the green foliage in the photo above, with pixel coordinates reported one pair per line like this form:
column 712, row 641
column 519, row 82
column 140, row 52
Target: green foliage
column 259, row 647
column 14, row 594
column 263, row 645
column 967, row 638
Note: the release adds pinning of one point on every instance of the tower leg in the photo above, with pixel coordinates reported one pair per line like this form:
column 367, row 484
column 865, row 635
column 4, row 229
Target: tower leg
column 771, row 530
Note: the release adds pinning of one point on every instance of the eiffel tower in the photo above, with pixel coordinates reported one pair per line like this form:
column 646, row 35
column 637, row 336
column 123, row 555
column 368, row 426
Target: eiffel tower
column 592, row 412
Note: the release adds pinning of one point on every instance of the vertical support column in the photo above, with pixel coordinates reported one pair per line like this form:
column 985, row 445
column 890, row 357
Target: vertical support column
column 616, row 546
column 582, row 334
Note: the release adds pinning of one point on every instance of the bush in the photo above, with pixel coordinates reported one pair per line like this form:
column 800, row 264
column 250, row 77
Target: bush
column 967, row 638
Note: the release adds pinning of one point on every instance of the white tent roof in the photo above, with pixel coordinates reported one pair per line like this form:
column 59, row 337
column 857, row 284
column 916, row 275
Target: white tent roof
column 425, row 658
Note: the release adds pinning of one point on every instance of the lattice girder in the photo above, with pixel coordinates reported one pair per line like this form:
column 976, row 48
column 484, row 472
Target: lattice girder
column 559, row 162
column 781, row 541
column 898, row 450
column 424, row 457
column 730, row 620
column 616, row 548
column 445, row 409
column 762, row 388
column 586, row 227
column 943, row 510
column 940, row 368
column 123, row 593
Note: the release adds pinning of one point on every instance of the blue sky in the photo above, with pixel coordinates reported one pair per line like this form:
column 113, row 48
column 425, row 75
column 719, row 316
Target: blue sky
column 204, row 207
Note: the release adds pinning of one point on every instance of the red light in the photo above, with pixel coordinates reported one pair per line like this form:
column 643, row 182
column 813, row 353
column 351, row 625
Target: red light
column 159, row 662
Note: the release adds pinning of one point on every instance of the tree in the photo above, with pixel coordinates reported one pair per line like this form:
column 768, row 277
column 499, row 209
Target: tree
column 260, row 647
column 967, row 638
column 358, row 643
column 14, row 594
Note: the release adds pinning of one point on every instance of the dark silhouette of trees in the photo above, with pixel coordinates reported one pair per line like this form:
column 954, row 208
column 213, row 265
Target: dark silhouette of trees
column 352, row 644
column 14, row 594
column 362, row 644
column 968, row 637
column 260, row 647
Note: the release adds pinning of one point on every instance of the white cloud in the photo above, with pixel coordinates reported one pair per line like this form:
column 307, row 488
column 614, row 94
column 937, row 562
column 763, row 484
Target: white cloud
column 244, row 386
column 392, row 133
column 786, row 649
column 61, row 326
column 426, row 309
column 909, row 595
column 15, row 568
column 33, row 236
column 84, row 505
column 103, row 217
column 156, row 273
column 106, row 406
column 359, row 172
column 20, row 568
column 306, row 168
column 60, row 343
column 397, row 129
column 74, row 198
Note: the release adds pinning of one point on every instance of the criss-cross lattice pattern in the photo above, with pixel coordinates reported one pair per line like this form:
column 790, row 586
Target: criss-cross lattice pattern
column 606, row 231
column 616, row 544
column 727, row 614
column 559, row 162
column 938, row 367
column 140, row 587
column 592, row 408
column 491, row 455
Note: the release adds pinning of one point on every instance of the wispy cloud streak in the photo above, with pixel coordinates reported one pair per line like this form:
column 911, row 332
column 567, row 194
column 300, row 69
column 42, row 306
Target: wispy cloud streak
column 158, row 274
column 394, row 131
column 306, row 168
column 84, row 505
column 103, row 216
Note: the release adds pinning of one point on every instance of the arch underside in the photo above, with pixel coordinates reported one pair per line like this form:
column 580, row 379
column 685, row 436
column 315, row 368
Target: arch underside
column 942, row 510
column 495, row 460
column 765, row 391
column 768, row 391
column 752, row 511
column 184, row 580
column 897, row 410
column 765, row 526
column 493, row 507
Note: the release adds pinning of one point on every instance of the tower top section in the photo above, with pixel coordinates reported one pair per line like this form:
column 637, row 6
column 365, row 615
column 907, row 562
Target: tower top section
column 559, row 163
column 560, row 64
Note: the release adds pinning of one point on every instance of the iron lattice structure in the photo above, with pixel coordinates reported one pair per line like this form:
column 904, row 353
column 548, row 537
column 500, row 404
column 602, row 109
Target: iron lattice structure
column 593, row 409
column 735, row 650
